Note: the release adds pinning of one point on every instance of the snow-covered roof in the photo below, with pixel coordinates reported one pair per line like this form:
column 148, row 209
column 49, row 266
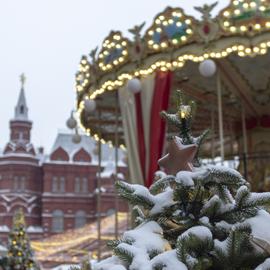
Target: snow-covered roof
column 34, row 229
column 3, row 248
column 65, row 266
column 4, row 228
column 64, row 140
column 21, row 109
column 109, row 170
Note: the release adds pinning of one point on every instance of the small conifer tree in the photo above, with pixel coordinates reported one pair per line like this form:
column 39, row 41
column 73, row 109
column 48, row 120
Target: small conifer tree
column 194, row 218
column 20, row 255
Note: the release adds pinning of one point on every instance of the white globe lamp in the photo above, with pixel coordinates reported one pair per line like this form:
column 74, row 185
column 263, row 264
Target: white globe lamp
column 134, row 86
column 89, row 105
column 207, row 68
column 71, row 122
column 76, row 138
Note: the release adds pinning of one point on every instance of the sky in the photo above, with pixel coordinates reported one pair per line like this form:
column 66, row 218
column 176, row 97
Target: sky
column 46, row 38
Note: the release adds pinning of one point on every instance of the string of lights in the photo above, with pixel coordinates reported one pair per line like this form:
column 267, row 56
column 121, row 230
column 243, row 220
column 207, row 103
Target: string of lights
column 242, row 28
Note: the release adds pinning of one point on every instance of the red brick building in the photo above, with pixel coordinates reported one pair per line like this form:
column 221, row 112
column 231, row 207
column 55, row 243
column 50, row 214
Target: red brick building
column 56, row 191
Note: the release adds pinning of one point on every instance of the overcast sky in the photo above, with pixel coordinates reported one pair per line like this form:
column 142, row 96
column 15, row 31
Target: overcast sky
column 46, row 38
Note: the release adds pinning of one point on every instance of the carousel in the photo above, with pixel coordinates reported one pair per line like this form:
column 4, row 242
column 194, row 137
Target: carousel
column 222, row 63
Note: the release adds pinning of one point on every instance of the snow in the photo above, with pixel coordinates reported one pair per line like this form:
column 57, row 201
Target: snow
column 140, row 259
column 169, row 260
column 87, row 143
column 34, row 229
column 200, row 232
column 148, row 236
column 145, row 238
column 160, row 201
column 258, row 196
column 154, row 239
column 204, row 221
column 110, row 170
column 111, row 263
column 222, row 171
column 4, row 228
column 221, row 245
column 65, row 266
column 159, row 174
column 3, row 248
column 224, row 225
column 264, row 266
column 185, row 178
column 260, row 225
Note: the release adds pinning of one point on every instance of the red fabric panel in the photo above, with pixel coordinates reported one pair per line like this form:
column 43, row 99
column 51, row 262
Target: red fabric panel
column 140, row 132
column 253, row 122
column 160, row 102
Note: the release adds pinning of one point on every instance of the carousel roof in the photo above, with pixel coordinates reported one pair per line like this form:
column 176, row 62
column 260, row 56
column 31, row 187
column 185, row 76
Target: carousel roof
column 237, row 39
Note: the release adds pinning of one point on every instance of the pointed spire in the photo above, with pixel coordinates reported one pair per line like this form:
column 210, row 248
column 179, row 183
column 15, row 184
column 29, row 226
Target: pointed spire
column 21, row 110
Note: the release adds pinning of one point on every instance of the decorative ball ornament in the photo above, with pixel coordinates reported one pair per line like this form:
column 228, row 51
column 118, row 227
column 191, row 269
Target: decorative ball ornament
column 134, row 86
column 76, row 138
column 207, row 68
column 71, row 122
column 89, row 105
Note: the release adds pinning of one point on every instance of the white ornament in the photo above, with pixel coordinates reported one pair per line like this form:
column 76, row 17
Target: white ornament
column 71, row 122
column 89, row 105
column 134, row 86
column 76, row 138
column 207, row 68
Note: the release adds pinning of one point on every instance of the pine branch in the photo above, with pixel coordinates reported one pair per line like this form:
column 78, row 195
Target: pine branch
column 138, row 214
column 113, row 243
column 123, row 254
column 223, row 176
column 161, row 184
column 129, row 192
column 242, row 196
column 258, row 199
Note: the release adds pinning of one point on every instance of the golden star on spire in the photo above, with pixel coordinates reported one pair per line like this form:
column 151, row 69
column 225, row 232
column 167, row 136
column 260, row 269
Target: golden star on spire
column 22, row 79
column 179, row 157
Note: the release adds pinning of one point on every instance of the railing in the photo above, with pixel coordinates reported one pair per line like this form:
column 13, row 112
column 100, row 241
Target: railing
column 242, row 161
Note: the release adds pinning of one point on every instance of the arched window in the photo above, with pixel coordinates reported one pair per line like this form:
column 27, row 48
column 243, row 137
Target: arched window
column 16, row 183
column 21, row 109
column 23, row 182
column 77, row 187
column 80, row 219
column 110, row 212
column 84, row 185
column 54, row 184
column 62, row 184
column 57, row 221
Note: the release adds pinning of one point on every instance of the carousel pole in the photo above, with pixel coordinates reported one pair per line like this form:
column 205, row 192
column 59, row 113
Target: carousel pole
column 99, row 188
column 213, row 134
column 116, row 161
column 220, row 116
column 245, row 148
column 208, row 68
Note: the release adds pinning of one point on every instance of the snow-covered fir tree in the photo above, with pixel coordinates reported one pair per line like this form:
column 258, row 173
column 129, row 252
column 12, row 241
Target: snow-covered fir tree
column 20, row 255
column 192, row 218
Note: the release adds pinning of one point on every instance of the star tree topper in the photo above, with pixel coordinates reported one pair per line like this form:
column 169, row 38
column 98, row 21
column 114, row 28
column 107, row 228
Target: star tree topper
column 179, row 157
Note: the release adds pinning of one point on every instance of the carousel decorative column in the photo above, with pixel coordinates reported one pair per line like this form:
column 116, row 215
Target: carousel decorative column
column 99, row 187
column 116, row 161
column 207, row 69
column 245, row 148
column 220, row 117
column 213, row 134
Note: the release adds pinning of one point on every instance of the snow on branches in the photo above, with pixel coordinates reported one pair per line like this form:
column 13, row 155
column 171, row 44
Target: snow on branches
column 201, row 219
